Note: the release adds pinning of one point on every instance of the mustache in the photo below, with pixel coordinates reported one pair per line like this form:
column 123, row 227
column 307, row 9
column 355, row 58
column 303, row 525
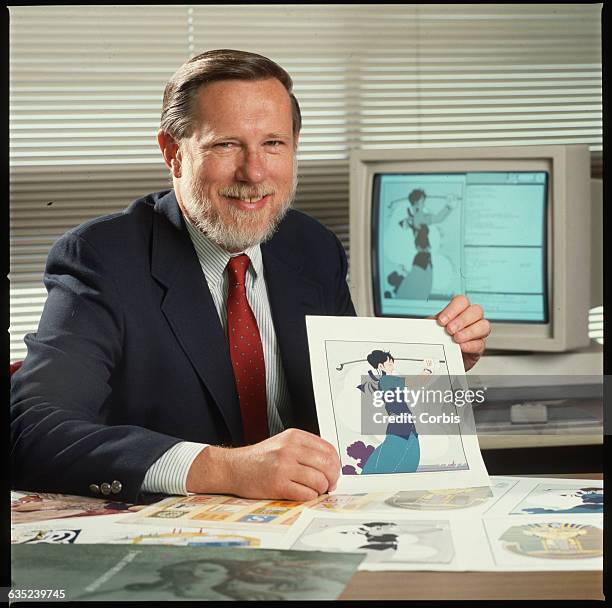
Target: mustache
column 245, row 192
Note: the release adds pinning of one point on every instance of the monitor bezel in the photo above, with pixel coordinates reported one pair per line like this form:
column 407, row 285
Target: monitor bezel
column 568, row 258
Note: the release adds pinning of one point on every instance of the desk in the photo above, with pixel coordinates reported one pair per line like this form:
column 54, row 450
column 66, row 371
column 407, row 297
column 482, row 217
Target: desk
column 477, row 585
column 427, row 585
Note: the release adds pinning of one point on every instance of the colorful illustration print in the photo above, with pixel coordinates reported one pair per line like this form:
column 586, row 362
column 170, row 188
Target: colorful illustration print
column 22, row 536
column 383, row 424
column 191, row 538
column 39, row 506
column 191, row 511
column 554, row 540
column 425, row 500
column 547, row 499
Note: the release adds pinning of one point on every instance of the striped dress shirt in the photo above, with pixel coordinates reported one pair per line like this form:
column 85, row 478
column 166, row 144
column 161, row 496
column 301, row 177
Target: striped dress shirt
column 168, row 474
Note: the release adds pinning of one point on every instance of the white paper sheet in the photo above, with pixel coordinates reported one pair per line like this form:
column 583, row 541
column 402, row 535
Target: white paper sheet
column 350, row 394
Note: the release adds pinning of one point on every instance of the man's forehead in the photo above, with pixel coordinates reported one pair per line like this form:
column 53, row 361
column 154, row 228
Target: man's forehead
column 268, row 97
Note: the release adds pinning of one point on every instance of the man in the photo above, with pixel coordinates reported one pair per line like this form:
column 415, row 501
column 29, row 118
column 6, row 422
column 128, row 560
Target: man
column 179, row 323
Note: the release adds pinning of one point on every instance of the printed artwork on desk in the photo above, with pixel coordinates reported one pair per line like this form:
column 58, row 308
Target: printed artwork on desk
column 22, row 535
column 222, row 511
column 190, row 538
column 30, row 507
column 555, row 498
column 341, row 503
column 440, row 500
column 545, row 496
column 117, row 572
column 384, row 541
column 93, row 530
column 536, row 543
column 473, row 499
column 396, row 409
column 554, row 540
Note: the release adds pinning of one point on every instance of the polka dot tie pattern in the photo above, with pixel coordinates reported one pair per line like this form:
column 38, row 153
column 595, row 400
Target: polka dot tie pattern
column 246, row 352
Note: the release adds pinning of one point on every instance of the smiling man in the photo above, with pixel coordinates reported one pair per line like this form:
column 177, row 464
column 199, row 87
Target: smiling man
column 171, row 355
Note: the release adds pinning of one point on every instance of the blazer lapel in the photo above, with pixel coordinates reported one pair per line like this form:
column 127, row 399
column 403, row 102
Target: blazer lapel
column 291, row 298
column 189, row 308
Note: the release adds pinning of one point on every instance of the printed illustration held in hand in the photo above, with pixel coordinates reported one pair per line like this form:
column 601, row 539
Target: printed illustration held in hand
column 392, row 397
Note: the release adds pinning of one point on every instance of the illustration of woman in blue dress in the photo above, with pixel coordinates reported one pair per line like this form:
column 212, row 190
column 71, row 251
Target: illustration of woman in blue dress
column 417, row 283
column 400, row 451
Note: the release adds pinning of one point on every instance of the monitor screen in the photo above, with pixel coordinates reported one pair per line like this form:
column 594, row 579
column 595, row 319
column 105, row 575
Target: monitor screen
column 482, row 234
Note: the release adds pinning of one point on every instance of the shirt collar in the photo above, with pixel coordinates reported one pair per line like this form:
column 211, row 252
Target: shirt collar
column 214, row 259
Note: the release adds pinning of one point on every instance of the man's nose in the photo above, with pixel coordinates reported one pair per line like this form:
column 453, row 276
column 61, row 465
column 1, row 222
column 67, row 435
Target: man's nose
column 251, row 166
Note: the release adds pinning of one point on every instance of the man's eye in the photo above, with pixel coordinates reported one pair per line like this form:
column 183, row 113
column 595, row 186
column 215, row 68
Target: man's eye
column 226, row 145
column 275, row 143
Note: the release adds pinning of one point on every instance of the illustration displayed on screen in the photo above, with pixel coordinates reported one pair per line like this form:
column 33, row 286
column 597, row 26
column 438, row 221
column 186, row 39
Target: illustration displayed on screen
column 478, row 234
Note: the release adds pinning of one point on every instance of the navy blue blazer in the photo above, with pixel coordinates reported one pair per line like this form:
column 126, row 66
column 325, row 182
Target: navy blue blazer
column 130, row 356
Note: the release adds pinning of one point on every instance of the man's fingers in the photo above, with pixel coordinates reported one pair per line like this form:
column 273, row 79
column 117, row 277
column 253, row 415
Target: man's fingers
column 476, row 331
column 469, row 316
column 297, row 491
column 310, row 478
column 473, row 346
column 321, row 462
column 313, row 442
column 455, row 307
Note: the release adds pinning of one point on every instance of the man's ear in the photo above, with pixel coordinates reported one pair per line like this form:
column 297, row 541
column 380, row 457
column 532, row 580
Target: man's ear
column 171, row 152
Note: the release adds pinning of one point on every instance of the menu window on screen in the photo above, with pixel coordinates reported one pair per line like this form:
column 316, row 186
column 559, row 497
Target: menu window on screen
column 482, row 234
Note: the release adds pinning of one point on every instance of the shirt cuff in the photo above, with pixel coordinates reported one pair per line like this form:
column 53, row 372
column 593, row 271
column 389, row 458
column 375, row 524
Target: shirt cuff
column 168, row 474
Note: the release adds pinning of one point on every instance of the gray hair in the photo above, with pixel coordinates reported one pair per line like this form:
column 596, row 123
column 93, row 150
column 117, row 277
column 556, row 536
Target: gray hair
column 177, row 116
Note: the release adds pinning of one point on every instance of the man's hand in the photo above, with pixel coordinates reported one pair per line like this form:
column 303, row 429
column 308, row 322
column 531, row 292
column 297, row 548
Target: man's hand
column 293, row 465
column 466, row 323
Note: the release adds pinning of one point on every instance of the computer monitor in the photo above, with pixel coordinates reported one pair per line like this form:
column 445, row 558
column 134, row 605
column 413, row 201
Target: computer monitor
column 509, row 227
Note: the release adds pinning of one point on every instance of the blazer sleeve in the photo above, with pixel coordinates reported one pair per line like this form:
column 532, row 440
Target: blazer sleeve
column 59, row 439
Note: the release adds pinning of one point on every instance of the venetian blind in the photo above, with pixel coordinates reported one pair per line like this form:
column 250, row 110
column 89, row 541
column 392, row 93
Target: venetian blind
column 86, row 85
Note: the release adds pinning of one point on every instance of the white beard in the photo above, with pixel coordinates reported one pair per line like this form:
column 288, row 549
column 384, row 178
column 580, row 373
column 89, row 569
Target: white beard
column 245, row 228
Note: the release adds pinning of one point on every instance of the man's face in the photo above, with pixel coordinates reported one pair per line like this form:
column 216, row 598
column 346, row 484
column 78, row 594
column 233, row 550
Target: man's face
column 238, row 168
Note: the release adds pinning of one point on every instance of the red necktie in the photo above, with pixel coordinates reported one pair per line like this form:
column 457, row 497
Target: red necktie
column 246, row 353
